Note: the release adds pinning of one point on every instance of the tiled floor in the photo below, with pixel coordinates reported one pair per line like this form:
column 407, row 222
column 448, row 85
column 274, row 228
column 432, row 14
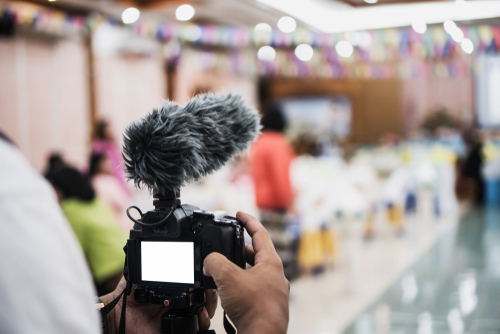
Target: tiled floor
column 453, row 288
column 331, row 302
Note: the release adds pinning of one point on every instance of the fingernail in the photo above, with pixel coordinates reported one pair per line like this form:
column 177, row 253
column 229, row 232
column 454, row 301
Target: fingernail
column 204, row 271
column 166, row 302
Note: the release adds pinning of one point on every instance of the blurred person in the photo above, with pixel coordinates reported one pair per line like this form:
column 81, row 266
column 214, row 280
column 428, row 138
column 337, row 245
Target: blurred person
column 105, row 143
column 316, row 245
column 54, row 162
column 108, row 189
column 95, row 226
column 45, row 286
column 473, row 164
column 306, row 144
column 271, row 156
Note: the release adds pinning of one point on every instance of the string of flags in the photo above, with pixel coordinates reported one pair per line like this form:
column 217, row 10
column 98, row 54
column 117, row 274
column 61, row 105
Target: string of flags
column 385, row 53
column 285, row 65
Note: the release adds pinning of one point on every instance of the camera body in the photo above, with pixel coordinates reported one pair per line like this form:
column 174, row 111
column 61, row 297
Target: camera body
column 167, row 247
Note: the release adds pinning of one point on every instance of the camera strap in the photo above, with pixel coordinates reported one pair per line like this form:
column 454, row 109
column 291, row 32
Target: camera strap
column 228, row 326
column 128, row 288
column 106, row 309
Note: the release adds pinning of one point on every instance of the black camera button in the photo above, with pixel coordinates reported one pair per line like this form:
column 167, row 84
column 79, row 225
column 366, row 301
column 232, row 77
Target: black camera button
column 208, row 245
column 196, row 227
column 202, row 214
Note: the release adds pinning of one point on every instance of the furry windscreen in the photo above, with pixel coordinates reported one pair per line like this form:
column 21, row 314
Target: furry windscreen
column 175, row 144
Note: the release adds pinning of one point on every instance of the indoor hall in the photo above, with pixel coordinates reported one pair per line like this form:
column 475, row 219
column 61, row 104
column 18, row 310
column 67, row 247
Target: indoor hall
column 361, row 136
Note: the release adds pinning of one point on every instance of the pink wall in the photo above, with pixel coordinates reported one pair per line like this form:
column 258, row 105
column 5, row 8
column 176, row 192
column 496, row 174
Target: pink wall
column 190, row 77
column 424, row 95
column 128, row 88
column 43, row 94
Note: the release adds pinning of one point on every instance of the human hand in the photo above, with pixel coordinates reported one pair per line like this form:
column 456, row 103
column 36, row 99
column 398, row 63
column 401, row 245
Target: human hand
column 146, row 318
column 256, row 300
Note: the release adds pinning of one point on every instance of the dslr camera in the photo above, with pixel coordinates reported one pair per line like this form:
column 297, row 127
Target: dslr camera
column 167, row 247
column 163, row 151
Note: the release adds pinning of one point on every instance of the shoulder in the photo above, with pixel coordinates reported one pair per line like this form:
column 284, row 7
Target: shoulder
column 17, row 176
column 40, row 250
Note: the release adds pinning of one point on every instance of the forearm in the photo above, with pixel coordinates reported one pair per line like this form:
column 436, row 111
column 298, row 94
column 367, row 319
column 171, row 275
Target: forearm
column 275, row 322
column 263, row 327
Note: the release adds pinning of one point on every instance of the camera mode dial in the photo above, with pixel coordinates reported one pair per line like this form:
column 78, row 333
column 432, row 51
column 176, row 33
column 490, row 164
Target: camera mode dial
column 196, row 227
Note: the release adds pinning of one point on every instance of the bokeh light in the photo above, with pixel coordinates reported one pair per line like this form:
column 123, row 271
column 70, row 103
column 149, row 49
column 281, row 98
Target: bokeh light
column 304, row 52
column 457, row 35
column 467, row 45
column 287, row 24
column 184, row 12
column 344, row 49
column 449, row 26
column 263, row 27
column 130, row 15
column 419, row 26
column 266, row 53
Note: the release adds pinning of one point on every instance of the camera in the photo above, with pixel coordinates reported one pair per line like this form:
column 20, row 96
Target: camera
column 167, row 247
column 163, row 151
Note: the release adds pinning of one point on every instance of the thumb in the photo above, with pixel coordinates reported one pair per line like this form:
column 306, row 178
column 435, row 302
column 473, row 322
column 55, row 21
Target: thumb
column 218, row 267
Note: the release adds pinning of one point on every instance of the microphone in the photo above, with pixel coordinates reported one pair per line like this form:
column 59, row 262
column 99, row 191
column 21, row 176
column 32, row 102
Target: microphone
column 174, row 145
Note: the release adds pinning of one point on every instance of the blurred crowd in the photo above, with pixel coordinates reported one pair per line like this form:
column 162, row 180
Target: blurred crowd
column 95, row 202
column 317, row 198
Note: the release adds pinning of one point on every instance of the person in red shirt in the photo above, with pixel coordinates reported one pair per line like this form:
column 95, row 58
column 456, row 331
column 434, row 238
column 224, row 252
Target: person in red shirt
column 271, row 156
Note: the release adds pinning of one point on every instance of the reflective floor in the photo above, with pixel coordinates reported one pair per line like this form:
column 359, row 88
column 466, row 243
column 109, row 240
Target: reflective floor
column 453, row 288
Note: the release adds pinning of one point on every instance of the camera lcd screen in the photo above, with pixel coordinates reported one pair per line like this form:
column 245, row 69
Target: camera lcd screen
column 169, row 262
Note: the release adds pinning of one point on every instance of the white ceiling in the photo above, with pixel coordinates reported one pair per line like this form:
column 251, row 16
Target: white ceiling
column 319, row 15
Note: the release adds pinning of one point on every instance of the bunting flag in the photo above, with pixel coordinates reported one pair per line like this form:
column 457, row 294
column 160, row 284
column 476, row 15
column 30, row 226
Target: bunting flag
column 385, row 53
column 244, row 62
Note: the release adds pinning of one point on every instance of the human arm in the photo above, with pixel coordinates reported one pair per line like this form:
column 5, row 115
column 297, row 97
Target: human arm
column 256, row 300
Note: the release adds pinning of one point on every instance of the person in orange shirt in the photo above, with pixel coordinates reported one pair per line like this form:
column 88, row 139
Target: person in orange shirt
column 271, row 156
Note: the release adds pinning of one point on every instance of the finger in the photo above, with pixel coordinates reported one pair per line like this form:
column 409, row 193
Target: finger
column 211, row 303
column 250, row 254
column 203, row 319
column 260, row 238
column 218, row 266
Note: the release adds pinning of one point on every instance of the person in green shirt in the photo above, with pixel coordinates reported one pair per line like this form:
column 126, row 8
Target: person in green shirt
column 95, row 225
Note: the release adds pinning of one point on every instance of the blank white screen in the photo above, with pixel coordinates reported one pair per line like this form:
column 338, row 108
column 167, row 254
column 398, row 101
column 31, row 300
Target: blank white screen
column 171, row 262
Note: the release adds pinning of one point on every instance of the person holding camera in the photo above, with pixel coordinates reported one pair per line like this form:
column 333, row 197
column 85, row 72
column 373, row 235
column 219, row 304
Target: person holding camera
column 46, row 286
column 256, row 299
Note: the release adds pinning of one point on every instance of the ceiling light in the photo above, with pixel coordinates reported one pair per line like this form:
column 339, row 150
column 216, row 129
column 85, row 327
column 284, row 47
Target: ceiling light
column 287, row 24
column 371, row 1
column 263, row 27
column 130, row 15
column 344, row 49
column 419, row 26
column 304, row 52
column 266, row 53
column 467, row 45
column 457, row 35
column 449, row 26
column 184, row 13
